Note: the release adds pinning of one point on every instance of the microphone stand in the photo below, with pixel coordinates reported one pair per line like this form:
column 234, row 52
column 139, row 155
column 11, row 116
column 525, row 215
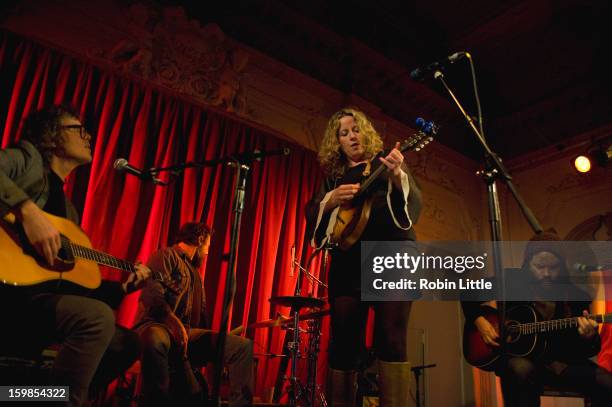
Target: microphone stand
column 241, row 162
column 418, row 370
column 314, row 353
column 244, row 157
column 494, row 170
column 295, row 391
column 308, row 274
column 230, row 279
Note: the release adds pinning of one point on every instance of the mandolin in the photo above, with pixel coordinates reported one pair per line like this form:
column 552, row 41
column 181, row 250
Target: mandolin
column 76, row 261
column 353, row 216
column 526, row 336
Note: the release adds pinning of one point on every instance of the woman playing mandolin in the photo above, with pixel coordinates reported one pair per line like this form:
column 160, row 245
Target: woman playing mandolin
column 367, row 208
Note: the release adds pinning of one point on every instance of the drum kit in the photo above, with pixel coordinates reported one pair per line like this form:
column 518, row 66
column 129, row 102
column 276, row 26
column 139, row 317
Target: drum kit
column 310, row 394
column 299, row 394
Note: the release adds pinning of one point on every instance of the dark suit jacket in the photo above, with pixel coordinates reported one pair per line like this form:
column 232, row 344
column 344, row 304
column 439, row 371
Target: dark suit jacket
column 23, row 176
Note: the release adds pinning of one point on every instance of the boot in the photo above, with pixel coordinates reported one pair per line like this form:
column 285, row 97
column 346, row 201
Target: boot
column 394, row 383
column 341, row 388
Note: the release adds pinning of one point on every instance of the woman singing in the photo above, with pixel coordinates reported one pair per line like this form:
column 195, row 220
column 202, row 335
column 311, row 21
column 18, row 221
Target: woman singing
column 351, row 149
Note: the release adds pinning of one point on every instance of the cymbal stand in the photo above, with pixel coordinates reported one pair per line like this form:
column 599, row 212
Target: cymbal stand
column 309, row 275
column 290, row 346
column 295, row 392
column 311, row 392
column 314, row 345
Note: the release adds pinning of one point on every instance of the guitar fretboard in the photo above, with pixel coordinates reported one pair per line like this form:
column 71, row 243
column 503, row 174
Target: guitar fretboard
column 557, row 324
column 111, row 261
column 97, row 256
column 417, row 141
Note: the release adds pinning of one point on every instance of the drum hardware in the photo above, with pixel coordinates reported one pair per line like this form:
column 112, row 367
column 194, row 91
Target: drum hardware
column 299, row 394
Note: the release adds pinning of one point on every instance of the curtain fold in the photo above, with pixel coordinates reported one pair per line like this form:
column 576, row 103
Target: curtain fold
column 130, row 219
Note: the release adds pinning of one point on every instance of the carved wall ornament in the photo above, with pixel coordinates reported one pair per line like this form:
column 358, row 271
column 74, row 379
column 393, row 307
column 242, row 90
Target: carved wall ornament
column 165, row 47
column 433, row 211
column 567, row 182
column 597, row 227
column 310, row 127
column 428, row 166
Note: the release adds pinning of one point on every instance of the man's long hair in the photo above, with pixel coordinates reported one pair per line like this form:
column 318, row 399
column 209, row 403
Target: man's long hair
column 42, row 129
column 330, row 155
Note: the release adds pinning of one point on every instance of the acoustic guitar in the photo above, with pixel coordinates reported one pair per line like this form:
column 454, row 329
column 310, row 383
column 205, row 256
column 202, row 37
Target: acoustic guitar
column 353, row 216
column 76, row 262
column 526, row 336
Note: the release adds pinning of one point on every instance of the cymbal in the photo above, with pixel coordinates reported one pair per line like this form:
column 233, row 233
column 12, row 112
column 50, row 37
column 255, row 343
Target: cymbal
column 297, row 301
column 308, row 316
column 270, row 323
column 270, row 355
column 314, row 314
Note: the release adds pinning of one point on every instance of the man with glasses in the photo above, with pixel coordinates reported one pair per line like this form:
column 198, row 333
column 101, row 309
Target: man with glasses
column 53, row 143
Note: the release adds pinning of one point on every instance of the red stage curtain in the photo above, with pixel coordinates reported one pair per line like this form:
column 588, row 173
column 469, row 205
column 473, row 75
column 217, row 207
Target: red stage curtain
column 130, row 218
column 604, row 358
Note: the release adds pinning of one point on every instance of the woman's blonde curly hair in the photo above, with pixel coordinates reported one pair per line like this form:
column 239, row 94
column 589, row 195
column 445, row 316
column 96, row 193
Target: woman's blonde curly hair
column 330, row 155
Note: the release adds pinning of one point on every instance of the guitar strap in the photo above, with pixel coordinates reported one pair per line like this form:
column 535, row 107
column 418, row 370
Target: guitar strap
column 366, row 171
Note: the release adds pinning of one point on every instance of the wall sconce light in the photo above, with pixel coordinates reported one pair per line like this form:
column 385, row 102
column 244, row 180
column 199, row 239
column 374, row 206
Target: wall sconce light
column 582, row 164
column 600, row 154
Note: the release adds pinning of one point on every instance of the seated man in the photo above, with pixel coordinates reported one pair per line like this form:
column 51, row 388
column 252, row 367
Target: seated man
column 565, row 362
column 32, row 174
column 172, row 325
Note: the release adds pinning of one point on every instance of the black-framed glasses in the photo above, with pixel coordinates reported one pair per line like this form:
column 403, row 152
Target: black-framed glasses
column 81, row 127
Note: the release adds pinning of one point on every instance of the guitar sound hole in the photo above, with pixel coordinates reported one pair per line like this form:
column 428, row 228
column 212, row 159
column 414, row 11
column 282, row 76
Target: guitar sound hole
column 513, row 331
column 64, row 255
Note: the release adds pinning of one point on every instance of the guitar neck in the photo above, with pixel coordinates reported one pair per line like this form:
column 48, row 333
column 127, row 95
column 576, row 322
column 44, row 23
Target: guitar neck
column 112, row 261
column 559, row 324
column 416, row 142
column 365, row 184
column 97, row 256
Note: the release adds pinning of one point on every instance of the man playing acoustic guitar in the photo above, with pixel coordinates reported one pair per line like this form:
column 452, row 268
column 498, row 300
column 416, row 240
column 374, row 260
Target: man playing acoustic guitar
column 565, row 361
column 54, row 142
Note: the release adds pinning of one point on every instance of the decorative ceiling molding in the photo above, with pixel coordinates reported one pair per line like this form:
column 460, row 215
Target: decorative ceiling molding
column 170, row 50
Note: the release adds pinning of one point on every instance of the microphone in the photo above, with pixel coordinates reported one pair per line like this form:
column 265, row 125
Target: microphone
column 591, row 267
column 418, row 74
column 122, row 165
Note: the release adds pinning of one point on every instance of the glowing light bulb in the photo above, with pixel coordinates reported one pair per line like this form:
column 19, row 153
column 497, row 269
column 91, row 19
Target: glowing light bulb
column 582, row 164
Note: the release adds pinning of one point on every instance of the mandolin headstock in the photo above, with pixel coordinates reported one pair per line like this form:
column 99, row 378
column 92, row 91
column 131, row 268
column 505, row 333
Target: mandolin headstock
column 425, row 134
